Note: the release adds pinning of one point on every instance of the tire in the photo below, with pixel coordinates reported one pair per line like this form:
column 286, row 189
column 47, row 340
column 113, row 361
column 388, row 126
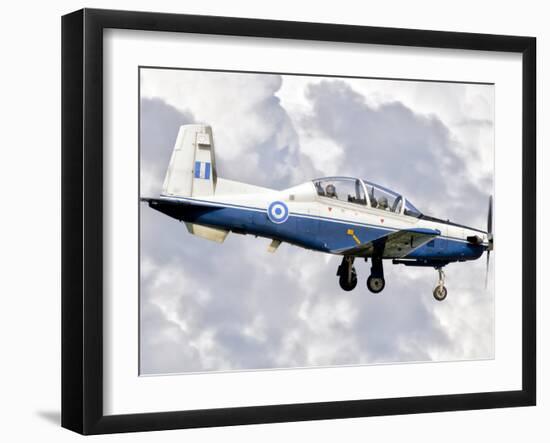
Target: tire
column 348, row 285
column 440, row 293
column 375, row 284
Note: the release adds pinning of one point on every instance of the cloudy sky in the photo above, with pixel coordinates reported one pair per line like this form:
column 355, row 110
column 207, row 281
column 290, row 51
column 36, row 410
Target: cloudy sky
column 234, row 306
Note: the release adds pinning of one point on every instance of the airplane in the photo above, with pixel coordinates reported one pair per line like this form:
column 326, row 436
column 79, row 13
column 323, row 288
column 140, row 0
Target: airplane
column 346, row 216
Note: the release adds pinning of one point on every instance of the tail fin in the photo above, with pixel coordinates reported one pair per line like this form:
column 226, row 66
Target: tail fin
column 192, row 168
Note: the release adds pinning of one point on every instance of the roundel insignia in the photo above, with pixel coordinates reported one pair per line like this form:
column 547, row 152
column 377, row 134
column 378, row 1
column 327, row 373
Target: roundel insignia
column 277, row 212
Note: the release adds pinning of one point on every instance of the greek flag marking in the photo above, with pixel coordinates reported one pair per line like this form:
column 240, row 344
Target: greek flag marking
column 202, row 170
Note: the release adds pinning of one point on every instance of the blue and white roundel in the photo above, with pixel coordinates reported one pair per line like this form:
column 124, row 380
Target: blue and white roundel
column 277, row 212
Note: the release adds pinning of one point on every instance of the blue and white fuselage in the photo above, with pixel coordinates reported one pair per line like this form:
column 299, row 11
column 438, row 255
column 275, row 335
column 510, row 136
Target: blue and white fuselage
column 347, row 216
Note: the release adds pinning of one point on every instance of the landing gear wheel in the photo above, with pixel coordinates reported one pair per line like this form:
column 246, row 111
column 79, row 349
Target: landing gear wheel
column 348, row 283
column 347, row 274
column 375, row 284
column 440, row 293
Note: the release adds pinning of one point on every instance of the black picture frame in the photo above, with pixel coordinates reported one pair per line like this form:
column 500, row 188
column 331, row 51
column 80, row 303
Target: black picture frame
column 82, row 218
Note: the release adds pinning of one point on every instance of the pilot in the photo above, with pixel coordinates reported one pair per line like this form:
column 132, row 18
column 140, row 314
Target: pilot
column 330, row 191
column 383, row 203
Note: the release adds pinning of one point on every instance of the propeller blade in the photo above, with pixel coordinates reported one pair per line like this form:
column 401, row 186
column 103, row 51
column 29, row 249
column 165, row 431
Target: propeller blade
column 489, row 236
column 487, row 269
column 490, row 216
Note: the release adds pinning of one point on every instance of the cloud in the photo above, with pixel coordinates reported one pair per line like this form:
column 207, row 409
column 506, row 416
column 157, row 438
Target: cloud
column 207, row 307
column 255, row 140
column 159, row 125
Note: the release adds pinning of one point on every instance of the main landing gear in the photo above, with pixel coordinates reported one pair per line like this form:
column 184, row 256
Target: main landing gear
column 348, row 276
column 440, row 291
column 376, row 282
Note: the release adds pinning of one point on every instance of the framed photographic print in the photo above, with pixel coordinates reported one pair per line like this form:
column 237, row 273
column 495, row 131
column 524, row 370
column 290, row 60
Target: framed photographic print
column 269, row 221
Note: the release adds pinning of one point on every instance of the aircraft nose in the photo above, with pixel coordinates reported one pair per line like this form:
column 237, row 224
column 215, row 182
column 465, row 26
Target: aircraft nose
column 490, row 241
column 476, row 239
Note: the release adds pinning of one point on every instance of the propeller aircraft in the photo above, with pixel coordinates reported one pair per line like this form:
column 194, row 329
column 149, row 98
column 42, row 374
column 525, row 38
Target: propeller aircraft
column 346, row 216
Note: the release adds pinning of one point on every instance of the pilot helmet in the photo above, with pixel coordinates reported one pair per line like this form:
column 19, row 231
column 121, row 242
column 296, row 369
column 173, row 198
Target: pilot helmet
column 331, row 190
column 383, row 202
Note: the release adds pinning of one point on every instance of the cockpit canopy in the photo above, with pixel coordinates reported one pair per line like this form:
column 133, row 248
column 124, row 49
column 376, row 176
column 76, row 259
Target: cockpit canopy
column 365, row 193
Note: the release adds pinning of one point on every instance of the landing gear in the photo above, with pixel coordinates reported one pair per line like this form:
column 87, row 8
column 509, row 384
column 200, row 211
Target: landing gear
column 376, row 282
column 440, row 291
column 347, row 274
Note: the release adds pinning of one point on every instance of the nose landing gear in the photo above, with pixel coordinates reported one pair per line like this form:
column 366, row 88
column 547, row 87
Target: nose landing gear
column 347, row 274
column 440, row 291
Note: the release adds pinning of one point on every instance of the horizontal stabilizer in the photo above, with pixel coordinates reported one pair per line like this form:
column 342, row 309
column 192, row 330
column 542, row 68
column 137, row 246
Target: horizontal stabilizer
column 213, row 234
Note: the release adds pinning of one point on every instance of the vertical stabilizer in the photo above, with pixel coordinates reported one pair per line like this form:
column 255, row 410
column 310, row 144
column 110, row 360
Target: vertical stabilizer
column 192, row 168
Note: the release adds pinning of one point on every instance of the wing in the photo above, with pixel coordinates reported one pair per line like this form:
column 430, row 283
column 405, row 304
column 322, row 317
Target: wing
column 397, row 244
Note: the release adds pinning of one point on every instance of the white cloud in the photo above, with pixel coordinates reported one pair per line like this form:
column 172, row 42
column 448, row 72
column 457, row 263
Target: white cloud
column 245, row 114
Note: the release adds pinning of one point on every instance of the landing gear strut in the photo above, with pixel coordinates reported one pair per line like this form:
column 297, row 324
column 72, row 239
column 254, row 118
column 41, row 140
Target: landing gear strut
column 376, row 282
column 440, row 291
column 347, row 274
